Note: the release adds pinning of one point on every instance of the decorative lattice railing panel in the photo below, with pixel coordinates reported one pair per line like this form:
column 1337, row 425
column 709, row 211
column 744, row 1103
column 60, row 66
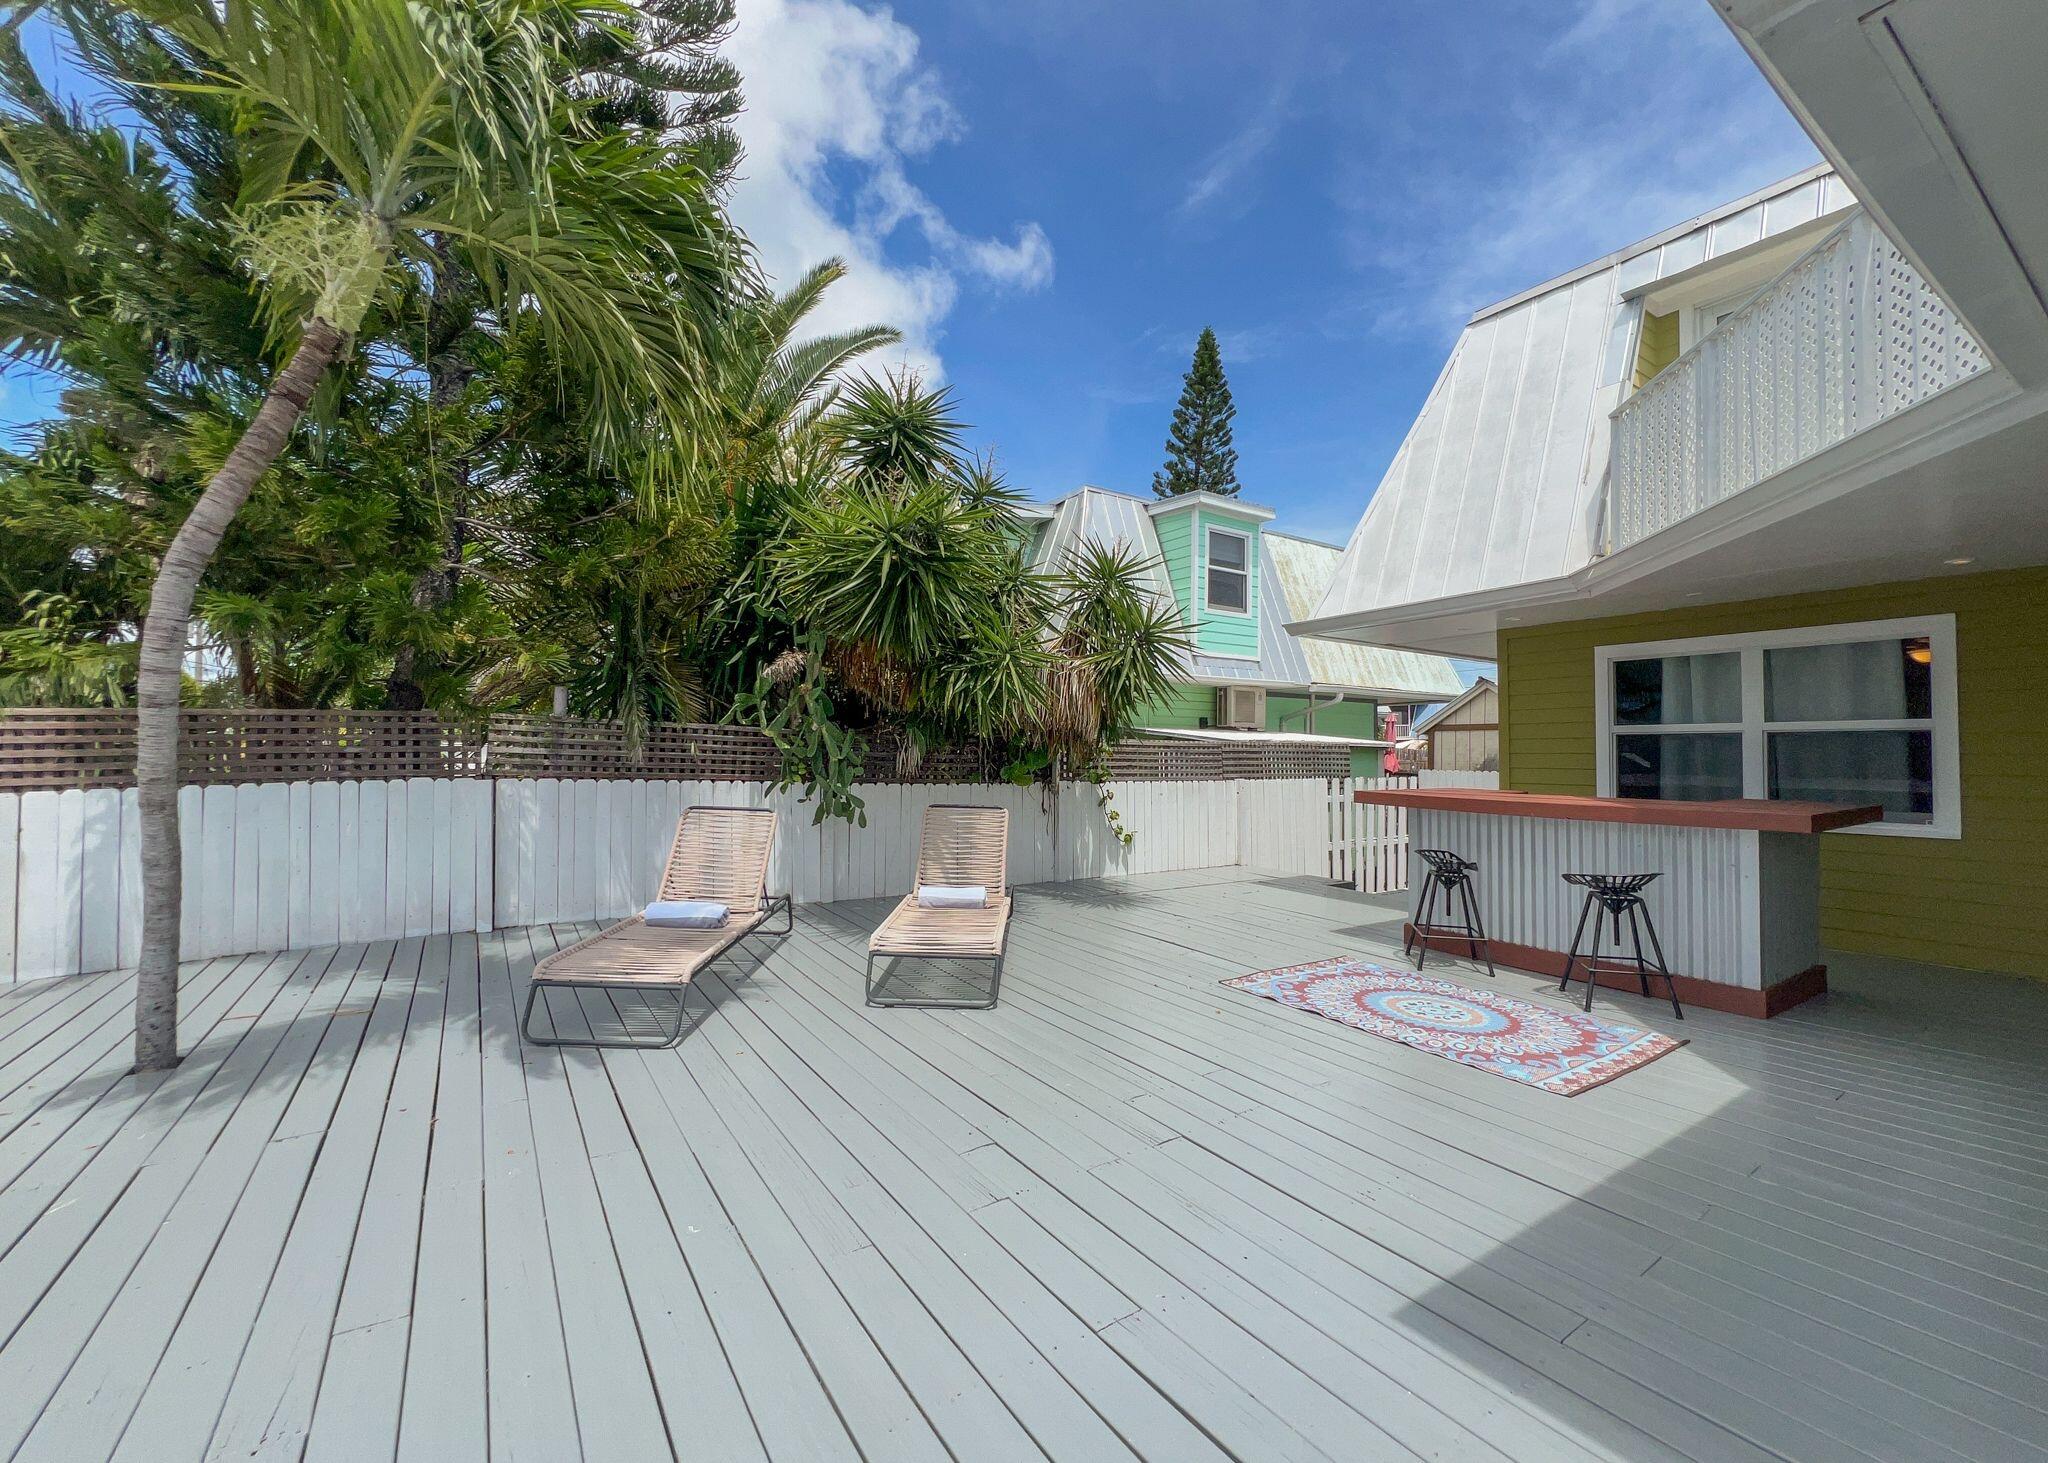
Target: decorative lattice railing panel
column 1849, row 335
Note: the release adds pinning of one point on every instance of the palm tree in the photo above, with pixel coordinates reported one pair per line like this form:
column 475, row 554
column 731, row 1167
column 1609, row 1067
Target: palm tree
column 378, row 134
column 770, row 389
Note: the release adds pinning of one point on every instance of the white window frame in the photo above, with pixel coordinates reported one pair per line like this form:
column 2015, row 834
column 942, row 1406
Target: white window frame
column 1940, row 634
column 1209, row 533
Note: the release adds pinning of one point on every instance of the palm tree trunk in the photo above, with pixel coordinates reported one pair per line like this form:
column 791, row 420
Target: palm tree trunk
column 160, row 671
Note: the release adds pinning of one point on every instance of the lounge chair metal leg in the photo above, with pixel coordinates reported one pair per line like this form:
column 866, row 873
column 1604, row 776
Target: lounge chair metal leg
column 670, row 1034
column 995, row 986
column 533, row 990
column 682, row 1015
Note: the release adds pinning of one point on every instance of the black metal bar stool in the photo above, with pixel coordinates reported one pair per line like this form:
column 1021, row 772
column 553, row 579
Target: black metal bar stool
column 1616, row 895
column 1449, row 877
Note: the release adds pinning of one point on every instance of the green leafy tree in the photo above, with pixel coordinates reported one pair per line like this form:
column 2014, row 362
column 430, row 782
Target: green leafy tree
column 407, row 359
column 1199, row 456
column 371, row 134
column 651, row 72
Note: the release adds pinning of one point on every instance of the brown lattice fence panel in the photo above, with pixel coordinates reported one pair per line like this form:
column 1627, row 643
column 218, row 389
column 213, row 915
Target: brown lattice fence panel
column 317, row 746
column 65, row 748
column 96, row 748
column 549, row 746
column 1173, row 760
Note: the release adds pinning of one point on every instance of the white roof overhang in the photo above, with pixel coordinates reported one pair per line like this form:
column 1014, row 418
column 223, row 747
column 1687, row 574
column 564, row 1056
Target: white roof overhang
column 1935, row 111
column 1963, row 476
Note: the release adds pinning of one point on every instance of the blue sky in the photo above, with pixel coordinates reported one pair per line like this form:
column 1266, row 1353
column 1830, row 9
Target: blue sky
column 1053, row 198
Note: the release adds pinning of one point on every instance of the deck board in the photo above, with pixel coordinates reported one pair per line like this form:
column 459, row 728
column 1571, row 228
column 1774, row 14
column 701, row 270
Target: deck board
column 1129, row 1213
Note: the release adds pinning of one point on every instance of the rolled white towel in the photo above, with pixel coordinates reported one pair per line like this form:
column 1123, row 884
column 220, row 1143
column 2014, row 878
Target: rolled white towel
column 952, row 896
column 686, row 914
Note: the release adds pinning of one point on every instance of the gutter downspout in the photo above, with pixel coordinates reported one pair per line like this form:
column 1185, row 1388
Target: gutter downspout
column 1309, row 711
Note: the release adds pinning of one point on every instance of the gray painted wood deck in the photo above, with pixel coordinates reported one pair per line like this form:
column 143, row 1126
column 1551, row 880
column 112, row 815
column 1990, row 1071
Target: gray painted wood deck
column 1128, row 1214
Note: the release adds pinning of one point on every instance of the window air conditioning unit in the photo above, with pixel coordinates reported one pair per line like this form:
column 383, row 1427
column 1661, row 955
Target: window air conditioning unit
column 1241, row 708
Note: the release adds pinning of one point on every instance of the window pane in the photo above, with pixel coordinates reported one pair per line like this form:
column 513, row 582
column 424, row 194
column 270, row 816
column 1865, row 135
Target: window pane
column 1228, row 589
column 1867, row 680
column 1674, row 689
column 1690, row 766
column 1226, row 550
column 1895, row 768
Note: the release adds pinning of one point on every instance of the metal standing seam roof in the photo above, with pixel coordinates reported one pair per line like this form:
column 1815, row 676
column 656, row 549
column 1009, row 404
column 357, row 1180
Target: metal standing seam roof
column 1304, row 570
column 1499, row 481
column 1292, row 571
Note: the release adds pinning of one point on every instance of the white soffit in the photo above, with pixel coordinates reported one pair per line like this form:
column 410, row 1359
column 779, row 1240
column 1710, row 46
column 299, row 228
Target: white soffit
column 1936, row 111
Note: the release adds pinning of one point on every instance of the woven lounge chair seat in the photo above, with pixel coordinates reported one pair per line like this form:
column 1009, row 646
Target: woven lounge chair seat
column 957, row 934
column 637, row 953
column 719, row 854
column 958, row 846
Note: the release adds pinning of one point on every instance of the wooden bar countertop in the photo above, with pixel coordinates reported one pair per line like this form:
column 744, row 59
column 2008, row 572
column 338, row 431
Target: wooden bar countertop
column 1761, row 814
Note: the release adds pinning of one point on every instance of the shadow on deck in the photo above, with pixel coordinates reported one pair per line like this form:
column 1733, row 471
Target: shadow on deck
column 1130, row 1213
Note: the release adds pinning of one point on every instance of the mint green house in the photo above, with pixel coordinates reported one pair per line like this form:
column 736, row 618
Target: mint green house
column 1236, row 582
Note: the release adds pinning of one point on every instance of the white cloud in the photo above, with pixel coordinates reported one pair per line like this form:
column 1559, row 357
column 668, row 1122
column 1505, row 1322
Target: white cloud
column 1227, row 165
column 838, row 105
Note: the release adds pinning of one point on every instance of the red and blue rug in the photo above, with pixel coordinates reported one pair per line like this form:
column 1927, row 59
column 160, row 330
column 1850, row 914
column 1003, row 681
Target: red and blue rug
column 1559, row 1051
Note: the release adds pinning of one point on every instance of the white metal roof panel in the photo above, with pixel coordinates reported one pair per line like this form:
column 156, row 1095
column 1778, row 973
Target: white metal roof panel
column 1301, row 570
column 1499, row 480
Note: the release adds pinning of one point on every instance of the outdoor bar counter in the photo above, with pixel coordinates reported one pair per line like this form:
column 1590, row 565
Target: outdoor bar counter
column 1737, row 909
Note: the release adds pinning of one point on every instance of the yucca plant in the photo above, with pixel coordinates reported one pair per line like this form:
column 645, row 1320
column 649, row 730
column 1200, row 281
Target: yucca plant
column 1117, row 650
column 376, row 134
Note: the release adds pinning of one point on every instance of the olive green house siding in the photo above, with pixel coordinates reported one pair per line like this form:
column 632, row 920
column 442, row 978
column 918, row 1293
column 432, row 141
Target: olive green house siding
column 1979, row 901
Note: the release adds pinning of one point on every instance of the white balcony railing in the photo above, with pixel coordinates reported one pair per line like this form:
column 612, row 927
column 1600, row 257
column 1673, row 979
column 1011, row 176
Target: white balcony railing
column 1848, row 336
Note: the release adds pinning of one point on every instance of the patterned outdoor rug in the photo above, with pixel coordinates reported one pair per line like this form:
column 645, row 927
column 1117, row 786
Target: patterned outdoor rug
column 1559, row 1051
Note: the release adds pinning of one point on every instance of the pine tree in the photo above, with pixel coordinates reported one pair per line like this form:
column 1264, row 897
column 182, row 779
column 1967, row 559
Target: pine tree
column 1199, row 457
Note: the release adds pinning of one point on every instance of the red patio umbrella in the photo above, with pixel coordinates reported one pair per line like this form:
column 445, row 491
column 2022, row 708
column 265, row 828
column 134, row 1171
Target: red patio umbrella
column 1390, row 760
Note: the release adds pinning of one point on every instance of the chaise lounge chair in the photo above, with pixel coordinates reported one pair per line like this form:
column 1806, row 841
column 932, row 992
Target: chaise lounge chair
column 958, row 847
column 719, row 854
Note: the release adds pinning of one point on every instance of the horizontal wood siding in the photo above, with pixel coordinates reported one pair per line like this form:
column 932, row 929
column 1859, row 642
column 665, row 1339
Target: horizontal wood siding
column 1468, row 739
column 1185, row 708
column 1177, row 553
column 1225, row 633
column 1659, row 347
column 1974, row 901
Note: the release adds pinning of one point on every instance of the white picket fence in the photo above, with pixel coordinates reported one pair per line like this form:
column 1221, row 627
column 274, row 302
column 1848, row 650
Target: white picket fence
column 276, row 866
column 1368, row 846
